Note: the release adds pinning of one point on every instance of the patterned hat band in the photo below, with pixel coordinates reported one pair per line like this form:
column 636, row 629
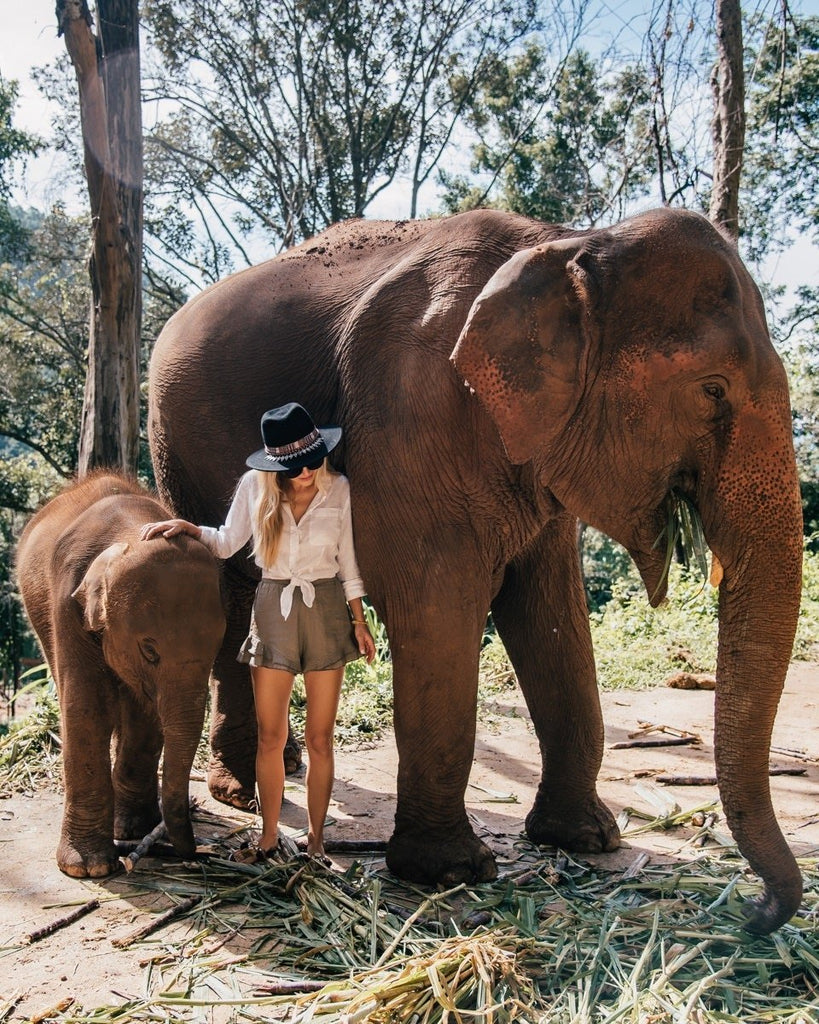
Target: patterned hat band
column 287, row 451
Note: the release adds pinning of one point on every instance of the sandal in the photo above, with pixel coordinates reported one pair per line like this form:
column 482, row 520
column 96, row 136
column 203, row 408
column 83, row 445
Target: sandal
column 316, row 858
column 250, row 854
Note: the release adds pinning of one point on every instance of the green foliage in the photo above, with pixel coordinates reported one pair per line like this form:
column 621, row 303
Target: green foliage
column 604, row 561
column 365, row 708
column 781, row 172
column 637, row 646
column 810, row 512
column 43, row 337
column 15, row 146
column 800, row 350
column 291, row 116
column 806, row 645
column 573, row 148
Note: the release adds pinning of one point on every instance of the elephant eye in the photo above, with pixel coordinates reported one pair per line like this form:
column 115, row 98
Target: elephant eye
column 148, row 651
column 714, row 390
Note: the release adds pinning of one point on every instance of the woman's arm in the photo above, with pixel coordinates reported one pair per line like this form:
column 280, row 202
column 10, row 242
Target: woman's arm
column 224, row 541
column 363, row 637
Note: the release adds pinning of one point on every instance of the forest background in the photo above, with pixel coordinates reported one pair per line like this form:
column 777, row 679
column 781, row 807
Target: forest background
column 263, row 122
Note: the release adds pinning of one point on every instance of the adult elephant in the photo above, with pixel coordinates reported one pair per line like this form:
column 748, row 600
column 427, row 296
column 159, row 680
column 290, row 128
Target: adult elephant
column 606, row 369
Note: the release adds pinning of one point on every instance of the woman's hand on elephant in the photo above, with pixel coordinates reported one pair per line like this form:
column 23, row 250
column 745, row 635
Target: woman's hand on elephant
column 169, row 528
column 366, row 644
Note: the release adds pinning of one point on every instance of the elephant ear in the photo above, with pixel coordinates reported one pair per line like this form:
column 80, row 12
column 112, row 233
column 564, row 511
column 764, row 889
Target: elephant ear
column 523, row 347
column 92, row 593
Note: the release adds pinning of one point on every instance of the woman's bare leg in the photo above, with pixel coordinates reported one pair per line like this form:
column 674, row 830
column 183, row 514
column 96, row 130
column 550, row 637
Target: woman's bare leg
column 271, row 692
column 323, row 690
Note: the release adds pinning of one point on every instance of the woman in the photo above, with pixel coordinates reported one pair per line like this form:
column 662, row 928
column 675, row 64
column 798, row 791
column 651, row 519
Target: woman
column 296, row 509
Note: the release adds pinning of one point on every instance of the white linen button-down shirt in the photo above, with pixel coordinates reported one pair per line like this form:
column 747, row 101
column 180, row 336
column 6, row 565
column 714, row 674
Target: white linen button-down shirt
column 318, row 547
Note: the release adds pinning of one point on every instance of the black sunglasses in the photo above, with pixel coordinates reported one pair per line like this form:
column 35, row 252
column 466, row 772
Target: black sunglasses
column 291, row 474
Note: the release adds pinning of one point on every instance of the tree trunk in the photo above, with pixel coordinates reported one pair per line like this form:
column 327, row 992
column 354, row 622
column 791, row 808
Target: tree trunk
column 728, row 126
column 108, row 78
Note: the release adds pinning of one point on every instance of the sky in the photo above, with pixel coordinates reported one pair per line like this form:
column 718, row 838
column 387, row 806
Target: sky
column 29, row 38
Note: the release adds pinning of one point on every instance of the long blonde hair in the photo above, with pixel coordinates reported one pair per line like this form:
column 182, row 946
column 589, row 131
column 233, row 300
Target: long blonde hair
column 267, row 514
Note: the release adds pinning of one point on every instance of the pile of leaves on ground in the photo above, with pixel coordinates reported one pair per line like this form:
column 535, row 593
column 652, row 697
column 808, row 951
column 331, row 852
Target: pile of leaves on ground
column 552, row 939
column 30, row 747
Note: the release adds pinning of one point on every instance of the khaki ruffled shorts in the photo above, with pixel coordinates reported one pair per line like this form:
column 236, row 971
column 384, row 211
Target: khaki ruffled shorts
column 309, row 639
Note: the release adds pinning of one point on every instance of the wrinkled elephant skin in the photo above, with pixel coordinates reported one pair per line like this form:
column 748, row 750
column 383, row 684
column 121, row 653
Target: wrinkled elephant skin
column 130, row 629
column 497, row 378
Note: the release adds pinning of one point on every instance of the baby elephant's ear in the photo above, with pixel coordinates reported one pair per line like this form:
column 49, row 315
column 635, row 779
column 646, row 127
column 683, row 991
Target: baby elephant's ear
column 92, row 593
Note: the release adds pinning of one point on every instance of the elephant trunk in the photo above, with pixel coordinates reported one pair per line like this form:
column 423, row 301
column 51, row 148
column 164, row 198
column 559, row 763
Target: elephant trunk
column 182, row 730
column 761, row 553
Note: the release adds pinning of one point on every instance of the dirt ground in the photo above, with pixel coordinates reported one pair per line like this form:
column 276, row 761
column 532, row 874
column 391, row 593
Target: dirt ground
column 80, row 960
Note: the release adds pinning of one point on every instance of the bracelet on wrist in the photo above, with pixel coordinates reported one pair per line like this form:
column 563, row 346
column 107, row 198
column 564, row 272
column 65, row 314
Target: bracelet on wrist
column 359, row 622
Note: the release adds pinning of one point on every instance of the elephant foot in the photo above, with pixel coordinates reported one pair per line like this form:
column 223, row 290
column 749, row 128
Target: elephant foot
column 135, row 822
column 589, row 828
column 292, row 755
column 87, row 860
column 435, row 859
column 227, row 789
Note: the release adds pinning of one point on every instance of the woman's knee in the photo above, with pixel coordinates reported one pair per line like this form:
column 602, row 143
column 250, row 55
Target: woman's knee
column 271, row 740
column 319, row 742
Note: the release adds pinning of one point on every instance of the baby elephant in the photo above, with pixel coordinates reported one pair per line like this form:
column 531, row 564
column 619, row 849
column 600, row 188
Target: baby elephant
column 130, row 631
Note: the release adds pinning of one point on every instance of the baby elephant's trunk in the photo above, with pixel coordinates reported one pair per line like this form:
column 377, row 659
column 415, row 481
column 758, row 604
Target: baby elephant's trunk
column 182, row 729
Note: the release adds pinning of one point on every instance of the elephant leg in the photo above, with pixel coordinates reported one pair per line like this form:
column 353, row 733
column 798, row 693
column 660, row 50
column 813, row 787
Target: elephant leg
column 232, row 768
column 435, row 648
column 88, row 717
column 136, row 789
column 542, row 618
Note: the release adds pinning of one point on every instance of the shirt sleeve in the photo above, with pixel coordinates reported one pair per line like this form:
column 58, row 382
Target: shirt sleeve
column 238, row 527
column 348, row 571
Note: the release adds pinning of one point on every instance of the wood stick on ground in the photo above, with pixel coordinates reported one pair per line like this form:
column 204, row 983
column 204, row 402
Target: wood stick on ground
column 646, row 727
column 133, row 858
column 686, row 780
column 711, row 780
column 351, row 845
column 799, row 755
column 665, row 741
column 62, row 922
column 158, row 922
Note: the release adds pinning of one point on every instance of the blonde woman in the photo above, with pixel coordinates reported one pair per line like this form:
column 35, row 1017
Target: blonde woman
column 297, row 512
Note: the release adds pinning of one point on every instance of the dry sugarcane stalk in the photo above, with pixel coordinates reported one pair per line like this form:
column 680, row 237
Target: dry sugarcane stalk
column 133, row 858
column 52, row 1011
column 159, row 848
column 665, row 741
column 288, row 986
column 708, row 823
column 8, row 1003
column 62, row 922
column 157, row 922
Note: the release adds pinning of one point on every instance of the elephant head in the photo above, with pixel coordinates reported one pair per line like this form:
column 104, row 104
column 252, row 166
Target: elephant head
column 633, row 363
column 157, row 611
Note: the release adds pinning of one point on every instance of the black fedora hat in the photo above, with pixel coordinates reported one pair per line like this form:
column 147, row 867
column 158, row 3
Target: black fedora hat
column 292, row 440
